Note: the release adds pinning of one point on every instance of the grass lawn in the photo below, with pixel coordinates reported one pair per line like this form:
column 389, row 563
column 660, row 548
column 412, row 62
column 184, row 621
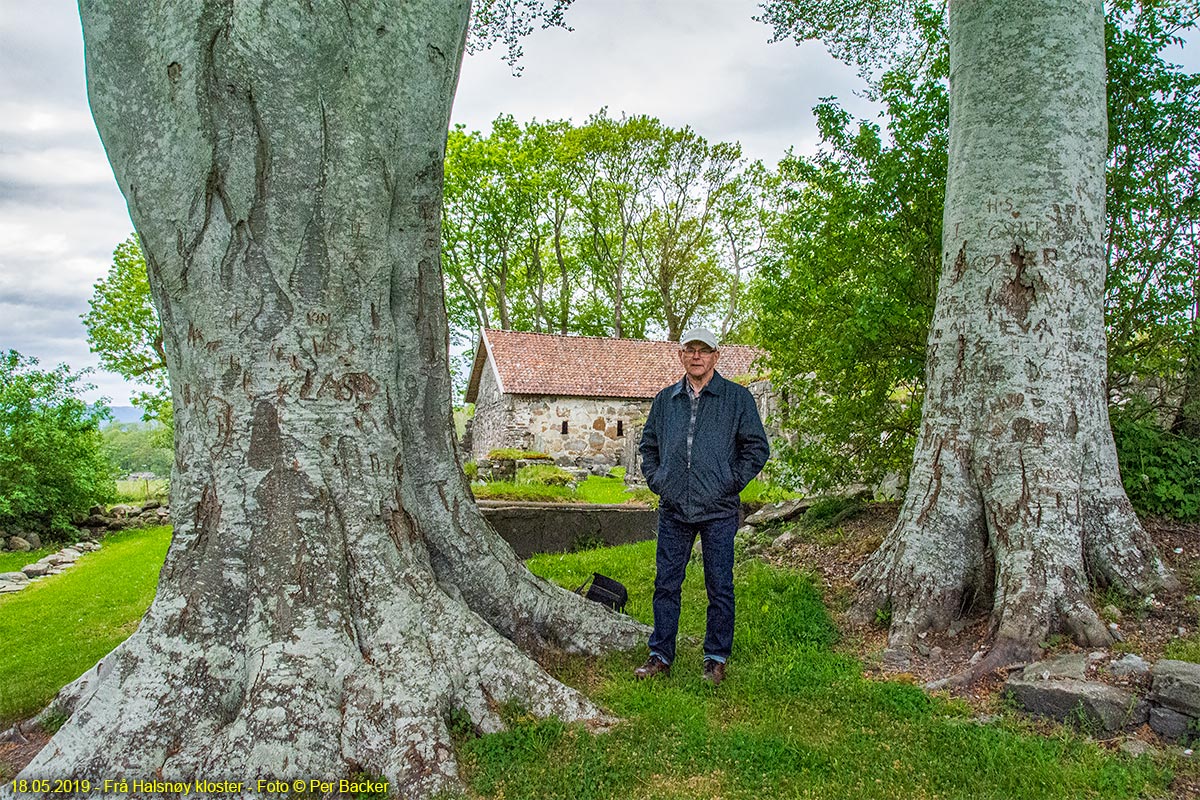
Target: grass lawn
column 794, row 719
column 60, row 626
column 11, row 561
column 141, row 491
column 592, row 490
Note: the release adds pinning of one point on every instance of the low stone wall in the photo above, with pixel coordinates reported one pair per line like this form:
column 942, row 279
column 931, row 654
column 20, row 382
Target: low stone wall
column 560, row 528
column 1165, row 694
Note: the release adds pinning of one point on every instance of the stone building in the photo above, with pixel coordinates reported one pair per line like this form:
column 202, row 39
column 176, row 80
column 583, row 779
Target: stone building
column 580, row 399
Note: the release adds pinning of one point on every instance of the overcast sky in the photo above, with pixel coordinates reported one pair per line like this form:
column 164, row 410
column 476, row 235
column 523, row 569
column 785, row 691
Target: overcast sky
column 703, row 63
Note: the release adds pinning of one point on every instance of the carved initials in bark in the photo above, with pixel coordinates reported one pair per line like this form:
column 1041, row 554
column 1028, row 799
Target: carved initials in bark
column 331, row 593
column 1014, row 499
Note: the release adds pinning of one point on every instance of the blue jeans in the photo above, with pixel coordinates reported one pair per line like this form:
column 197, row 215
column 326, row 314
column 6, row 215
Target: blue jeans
column 675, row 539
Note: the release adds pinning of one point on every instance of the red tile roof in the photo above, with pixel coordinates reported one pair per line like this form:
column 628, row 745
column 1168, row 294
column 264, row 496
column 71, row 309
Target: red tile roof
column 588, row 366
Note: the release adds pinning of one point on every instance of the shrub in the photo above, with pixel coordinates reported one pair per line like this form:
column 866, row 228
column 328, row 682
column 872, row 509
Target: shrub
column 51, row 459
column 471, row 469
column 828, row 512
column 1160, row 469
column 544, row 475
column 513, row 454
column 763, row 492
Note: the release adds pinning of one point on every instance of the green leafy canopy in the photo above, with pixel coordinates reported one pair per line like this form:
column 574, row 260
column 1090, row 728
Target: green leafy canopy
column 51, row 461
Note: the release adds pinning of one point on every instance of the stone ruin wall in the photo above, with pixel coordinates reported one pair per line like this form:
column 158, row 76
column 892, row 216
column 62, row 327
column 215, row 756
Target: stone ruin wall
column 592, row 437
column 534, row 422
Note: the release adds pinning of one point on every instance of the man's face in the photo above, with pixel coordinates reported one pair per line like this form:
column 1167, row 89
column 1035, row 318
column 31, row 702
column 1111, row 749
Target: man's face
column 699, row 360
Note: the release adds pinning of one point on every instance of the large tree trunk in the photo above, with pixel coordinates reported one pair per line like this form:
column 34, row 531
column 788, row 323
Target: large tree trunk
column 1014, row 496
column 331, row 593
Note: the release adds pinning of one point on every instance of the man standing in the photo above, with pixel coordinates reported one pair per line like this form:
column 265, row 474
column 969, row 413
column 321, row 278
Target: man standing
column 702, row 443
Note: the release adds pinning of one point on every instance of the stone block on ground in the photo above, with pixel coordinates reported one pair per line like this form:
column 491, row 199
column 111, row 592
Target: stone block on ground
column 1089, row 704
column 17, row 544
column 1171, row 724
column 9, row 588
column 13, row 577
column 1128, row 665
column 34, row 540
column 778, row 512
column 1067, row 665
column 36, row 570
column 784, row 541
column 1176, row 685
column 1136, row 747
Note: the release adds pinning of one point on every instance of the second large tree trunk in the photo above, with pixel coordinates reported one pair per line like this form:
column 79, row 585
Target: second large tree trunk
column 332, row 595
column 1014, row 498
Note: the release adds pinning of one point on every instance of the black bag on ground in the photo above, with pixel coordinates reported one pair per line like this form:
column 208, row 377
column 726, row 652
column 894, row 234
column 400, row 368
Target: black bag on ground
column 605, row 591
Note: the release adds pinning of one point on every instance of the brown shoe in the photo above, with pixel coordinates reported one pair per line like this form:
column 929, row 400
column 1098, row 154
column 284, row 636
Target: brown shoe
column 714, row 671
column 653, row 666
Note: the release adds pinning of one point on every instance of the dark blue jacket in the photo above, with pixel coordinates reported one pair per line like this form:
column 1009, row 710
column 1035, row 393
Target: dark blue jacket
column 729, row 447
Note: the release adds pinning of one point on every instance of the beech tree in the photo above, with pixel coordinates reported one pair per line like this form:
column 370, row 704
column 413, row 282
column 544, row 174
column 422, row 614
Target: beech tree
column 331, row 593
column 1014, row 497
column 123, row 329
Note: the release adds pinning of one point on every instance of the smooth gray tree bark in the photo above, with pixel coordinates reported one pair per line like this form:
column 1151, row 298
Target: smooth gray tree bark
column 331, row 593
column 1014, row 498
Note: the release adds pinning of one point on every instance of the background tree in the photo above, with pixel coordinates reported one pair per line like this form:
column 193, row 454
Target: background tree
column 1153, row 207
column 744, row 212
column 123, row 329
column 621, row 159
column 332, row 594
column 617, row 226
column 136, row 447
column 852, row 409
column 1015, row 476
column 843, row 301
column 51, row 464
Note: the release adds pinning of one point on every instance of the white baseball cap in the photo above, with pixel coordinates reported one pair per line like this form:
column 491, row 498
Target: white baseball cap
column 699, row 335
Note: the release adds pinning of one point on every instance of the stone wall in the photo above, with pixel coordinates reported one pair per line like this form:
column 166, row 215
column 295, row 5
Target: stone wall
column 554, row 528
column 597, row 428
column 499, row 421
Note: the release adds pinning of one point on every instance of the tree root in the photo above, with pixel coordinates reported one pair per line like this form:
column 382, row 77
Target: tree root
column 317, row 705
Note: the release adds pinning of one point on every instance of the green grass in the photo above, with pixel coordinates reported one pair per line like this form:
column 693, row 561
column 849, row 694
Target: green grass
column 592, row 490
column 1184, row 649
column 141, row 491
column 603, row 490
column 507, row 490
column 59, row 627
column 13, row 561
column 793, row 720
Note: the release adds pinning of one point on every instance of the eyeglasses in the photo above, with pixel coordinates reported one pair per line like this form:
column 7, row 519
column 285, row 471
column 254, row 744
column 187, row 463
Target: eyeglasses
column 698, row 351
